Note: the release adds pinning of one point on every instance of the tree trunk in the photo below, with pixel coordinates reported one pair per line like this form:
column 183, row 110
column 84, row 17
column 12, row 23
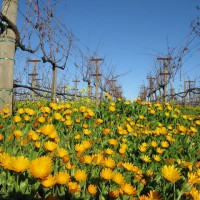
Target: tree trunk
column 7, row 54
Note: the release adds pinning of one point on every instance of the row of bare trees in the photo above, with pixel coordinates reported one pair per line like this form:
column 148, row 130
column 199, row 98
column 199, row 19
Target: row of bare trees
column 41, row 36
column 167, row 69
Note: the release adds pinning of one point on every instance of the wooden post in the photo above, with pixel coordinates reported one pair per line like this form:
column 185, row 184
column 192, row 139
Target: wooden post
column 7, row 54
column 76, row 81
column 96, row 60
column 150, row 86
column 33, row 75
column 165, row 73
column 54, row 85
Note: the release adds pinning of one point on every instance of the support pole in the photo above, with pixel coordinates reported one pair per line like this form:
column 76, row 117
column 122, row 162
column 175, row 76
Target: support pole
column 7, row 55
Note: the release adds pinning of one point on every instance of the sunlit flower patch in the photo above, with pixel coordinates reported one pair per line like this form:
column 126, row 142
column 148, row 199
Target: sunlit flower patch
column 117, row 150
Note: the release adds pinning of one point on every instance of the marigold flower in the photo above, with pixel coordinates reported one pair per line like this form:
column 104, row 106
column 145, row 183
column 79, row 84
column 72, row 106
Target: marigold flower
column 86, row 131
column 109, row 162
column 49, row 181
column 118, row 178
column 86, row 144
column 114, row 193
column 164, row 144
column 20, row 163
column 159, row 150
column 128, row 166
column 142, row 148
column 109, row 151
column 98, row 159
column 18, row 134
column 92, row 189
column 41, row 119
column 80, row 175
column 17, row 119
column 113, row 142
column 171, row 173
column 50, row 146
column 128, row 189
column 86, row 159
column 146, row 158
column 156, row 158
column 61, row 152
column 74, row 187
column 62, row 178
column 5, row 161
column 107, row 174
column 41, row 167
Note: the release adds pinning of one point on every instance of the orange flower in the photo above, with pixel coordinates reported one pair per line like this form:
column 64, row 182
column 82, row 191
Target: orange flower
column 118, row 178
column 109, row 162
column 92, row 189
column 41, row 167
column 62, row 178
column 107, row 174
column 128, row 189
column 20, row 163
column 50, row 146
column 171, row 173
column 80, row 175
column 74, row 187
column 49, row 181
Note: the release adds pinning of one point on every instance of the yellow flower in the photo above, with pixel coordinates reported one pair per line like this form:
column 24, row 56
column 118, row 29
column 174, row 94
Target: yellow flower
column 17, row 134
column 49, row 181
column 156, row 158
column 86, row 144
column 80, row 175
column 6, row 161
column 114, row 193
column 154, row 144
column 20, row 164
column 142, row 148
column 86, row 159
column 106, row 131
column 159, row 150
column 92, row 189
column 112, row 108
column 62, row 152
column 128, row 189
column 146, row 158
column 62, row 178
column 47, row 129
column 26, row 118
column 74, row 187
column 154, row 195
column 109, row 162
column 6, row 110
column 171, row 173
column 50, row 146
column 109, row 151
column 41, row 167
column 86, row 131
column 98, row 159
column 164, row 144
column 118, row 178
column 107, row 174
column 57, row 116
column 41, row 119
column 17, row 119
column 128, row 166
column 113, row 142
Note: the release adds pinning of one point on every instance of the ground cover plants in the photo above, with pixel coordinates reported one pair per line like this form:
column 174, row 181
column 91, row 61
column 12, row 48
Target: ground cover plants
column 116, row 150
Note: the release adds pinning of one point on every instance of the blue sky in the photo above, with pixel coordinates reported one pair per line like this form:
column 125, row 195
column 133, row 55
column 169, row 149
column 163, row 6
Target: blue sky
column 131, row 33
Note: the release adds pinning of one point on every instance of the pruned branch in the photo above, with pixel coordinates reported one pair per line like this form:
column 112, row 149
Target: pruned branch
column 14, row 28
